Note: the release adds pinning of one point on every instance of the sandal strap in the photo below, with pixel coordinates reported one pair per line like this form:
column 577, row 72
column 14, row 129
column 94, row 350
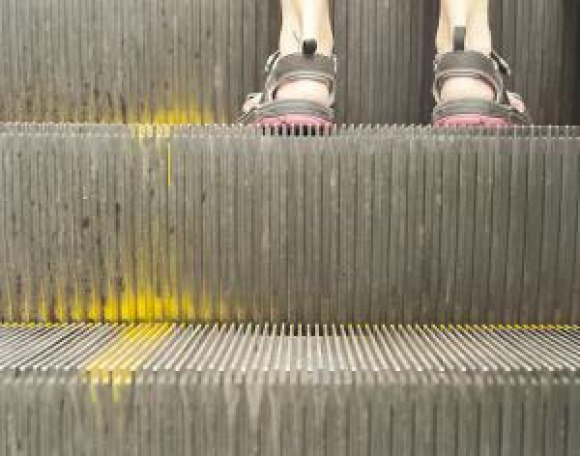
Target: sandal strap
column 470, row 64
column 299, row 67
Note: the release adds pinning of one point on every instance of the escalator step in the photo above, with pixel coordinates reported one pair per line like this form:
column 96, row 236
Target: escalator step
column 231, row 225
column 289, row 389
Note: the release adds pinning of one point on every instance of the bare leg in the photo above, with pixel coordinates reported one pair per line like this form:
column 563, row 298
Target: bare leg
column 472, row 14
column 303, row 20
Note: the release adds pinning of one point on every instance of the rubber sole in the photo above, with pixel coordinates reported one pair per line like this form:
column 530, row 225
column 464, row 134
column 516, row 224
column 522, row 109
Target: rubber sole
column 480, row 113
column 290, row 120
column 472, row 120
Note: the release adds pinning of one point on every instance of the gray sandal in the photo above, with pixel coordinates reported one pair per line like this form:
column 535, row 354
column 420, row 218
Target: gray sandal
column 507, row 108
column 265, row 110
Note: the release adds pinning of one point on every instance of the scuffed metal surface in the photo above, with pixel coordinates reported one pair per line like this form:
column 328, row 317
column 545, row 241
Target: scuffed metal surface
column 361, row 225
column 289, row 389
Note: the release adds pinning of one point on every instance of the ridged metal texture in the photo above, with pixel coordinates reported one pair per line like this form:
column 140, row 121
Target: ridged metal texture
column 195, row 60
column 361, row 225
column 289, row 390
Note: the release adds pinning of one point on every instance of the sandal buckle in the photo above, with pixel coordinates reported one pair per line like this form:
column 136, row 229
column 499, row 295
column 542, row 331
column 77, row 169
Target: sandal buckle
column 271, row 62
column 502, row 64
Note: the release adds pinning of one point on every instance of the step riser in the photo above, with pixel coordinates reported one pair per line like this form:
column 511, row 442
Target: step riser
column 46, row 418
column 365, row 226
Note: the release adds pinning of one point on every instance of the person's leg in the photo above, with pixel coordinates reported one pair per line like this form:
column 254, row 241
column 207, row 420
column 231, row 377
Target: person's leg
column 469, row 77
column 299, row 88
column 473, row 15
column 304, row 21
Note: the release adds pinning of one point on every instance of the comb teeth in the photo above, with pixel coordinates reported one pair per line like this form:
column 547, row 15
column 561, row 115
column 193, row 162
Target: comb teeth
column 178, row 389
column 360, row 225
column 140, row 349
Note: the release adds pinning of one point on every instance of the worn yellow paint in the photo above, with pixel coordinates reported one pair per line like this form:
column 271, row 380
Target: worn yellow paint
column 161, row 132
column 60, row 308
column 117, row 362
column 135, row 304
column 171, row 116
column 144, row 305
column 181, row 116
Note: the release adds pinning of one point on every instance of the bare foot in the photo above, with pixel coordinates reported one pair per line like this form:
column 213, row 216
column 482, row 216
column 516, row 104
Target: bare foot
column 466, row 88
column 305, row 90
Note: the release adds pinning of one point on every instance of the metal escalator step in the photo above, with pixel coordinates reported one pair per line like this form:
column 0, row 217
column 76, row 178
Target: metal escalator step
column 289, row 389
column 226, row 224
column 194, row 61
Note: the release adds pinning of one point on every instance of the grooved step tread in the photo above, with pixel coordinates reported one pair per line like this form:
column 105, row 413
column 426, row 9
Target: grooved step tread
column 289, row 389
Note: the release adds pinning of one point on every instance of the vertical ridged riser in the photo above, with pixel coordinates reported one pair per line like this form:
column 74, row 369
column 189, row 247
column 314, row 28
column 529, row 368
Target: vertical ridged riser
column 197, row 418
column 365, row 225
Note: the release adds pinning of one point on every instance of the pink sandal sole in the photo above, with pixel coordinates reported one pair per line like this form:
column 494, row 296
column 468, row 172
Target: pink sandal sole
column 290, row 120
column 472, row 120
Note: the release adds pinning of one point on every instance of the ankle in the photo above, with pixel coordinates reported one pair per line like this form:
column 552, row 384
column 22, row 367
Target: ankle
column 291, row 43
column 473, row 39
column 306, row 21
column 477, row 31
column 478, row 38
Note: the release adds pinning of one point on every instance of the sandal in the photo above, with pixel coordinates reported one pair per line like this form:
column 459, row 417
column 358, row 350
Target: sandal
column 507, row 108
column 263, row 109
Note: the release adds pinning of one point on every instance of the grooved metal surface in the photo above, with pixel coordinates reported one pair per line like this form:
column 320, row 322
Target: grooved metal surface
column 361, row 225
column 292, row 390
column 193, row 61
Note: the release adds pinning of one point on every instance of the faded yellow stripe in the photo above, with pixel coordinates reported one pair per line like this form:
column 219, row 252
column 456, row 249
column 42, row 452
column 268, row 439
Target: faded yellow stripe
column 151, row 115
column 117, row 361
